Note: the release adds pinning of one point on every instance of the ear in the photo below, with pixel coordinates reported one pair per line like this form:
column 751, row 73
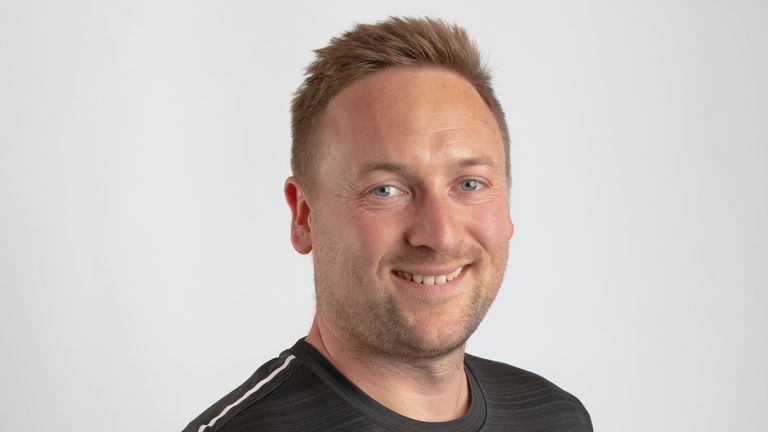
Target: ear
column 301, row 232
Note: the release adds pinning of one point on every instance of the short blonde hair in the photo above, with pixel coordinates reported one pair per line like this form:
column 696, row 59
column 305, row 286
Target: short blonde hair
column 368, row 48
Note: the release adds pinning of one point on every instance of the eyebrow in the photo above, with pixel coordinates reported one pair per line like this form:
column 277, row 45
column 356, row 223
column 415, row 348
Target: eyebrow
column 402, row 168
column 383, row 166
column 477, row 161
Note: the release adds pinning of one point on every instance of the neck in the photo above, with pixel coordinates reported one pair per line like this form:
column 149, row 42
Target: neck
column 431, row 390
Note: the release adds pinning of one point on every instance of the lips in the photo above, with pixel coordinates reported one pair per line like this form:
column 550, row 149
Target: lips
column 429, row 279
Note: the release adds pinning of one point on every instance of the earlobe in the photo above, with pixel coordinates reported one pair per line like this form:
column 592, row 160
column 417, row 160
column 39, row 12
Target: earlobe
column 511, row 229
column 301, row 232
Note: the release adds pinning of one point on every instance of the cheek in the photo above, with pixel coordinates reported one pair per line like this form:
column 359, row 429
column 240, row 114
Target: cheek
column 372, row 235
column 362, row 239
column 491, row 225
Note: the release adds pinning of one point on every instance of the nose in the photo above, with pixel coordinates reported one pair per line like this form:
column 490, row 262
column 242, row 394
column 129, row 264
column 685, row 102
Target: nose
column 436, row 223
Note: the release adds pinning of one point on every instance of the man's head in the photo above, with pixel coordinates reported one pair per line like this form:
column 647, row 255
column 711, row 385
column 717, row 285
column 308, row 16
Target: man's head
column 368, row 48
column 407, row 209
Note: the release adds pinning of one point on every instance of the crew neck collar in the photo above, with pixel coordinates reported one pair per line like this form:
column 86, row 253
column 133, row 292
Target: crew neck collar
column 378, row 413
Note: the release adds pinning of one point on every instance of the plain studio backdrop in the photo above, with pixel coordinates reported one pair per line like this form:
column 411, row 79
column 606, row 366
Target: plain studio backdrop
column 145, row 263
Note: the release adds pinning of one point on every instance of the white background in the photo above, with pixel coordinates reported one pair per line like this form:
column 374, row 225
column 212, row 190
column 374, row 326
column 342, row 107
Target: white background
column 145, row 264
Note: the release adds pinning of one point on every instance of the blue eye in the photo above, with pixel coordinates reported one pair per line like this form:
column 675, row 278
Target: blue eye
column 469, row 185
column 385, row 191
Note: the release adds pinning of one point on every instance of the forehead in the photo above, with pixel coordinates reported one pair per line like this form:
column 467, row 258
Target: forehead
column 421, row 113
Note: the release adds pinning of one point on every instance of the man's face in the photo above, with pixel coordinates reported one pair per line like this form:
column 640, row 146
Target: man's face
column 409, row 218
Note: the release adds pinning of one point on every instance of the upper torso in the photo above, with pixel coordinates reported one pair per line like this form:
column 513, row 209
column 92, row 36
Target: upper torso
column 302, row 391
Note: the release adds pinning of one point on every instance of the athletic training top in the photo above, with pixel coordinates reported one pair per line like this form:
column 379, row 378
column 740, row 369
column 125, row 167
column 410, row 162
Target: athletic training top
column 301, row 391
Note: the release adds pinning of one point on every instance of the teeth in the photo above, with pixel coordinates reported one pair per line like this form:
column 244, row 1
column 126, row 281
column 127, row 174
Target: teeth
column 428, row 279
column 455, row 273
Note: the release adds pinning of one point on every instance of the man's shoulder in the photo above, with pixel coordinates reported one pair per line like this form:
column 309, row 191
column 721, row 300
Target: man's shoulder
column 493, row 370
column 512, row 390
column 286, row 394
column 264, row 381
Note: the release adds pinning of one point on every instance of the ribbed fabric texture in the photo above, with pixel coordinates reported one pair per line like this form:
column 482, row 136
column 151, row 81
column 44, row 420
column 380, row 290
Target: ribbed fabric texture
column 308, row 394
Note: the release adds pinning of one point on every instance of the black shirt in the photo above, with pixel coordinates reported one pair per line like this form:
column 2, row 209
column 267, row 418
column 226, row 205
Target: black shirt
column 302, row 391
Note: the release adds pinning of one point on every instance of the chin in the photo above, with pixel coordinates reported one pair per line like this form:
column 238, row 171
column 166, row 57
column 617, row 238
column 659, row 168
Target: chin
column 433, row 350
column 437, row 342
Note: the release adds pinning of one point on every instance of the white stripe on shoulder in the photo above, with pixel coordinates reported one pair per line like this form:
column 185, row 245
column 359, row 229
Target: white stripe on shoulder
column 255, row 388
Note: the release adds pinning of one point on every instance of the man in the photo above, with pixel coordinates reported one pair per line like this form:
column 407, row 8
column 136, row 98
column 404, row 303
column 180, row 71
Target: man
column 400, row 190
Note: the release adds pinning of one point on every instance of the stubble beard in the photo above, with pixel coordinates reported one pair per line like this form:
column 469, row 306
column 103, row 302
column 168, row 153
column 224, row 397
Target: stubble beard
column 377, row 326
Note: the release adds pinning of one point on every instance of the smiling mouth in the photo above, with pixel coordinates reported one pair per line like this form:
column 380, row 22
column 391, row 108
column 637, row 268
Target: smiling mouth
column 429, row 279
